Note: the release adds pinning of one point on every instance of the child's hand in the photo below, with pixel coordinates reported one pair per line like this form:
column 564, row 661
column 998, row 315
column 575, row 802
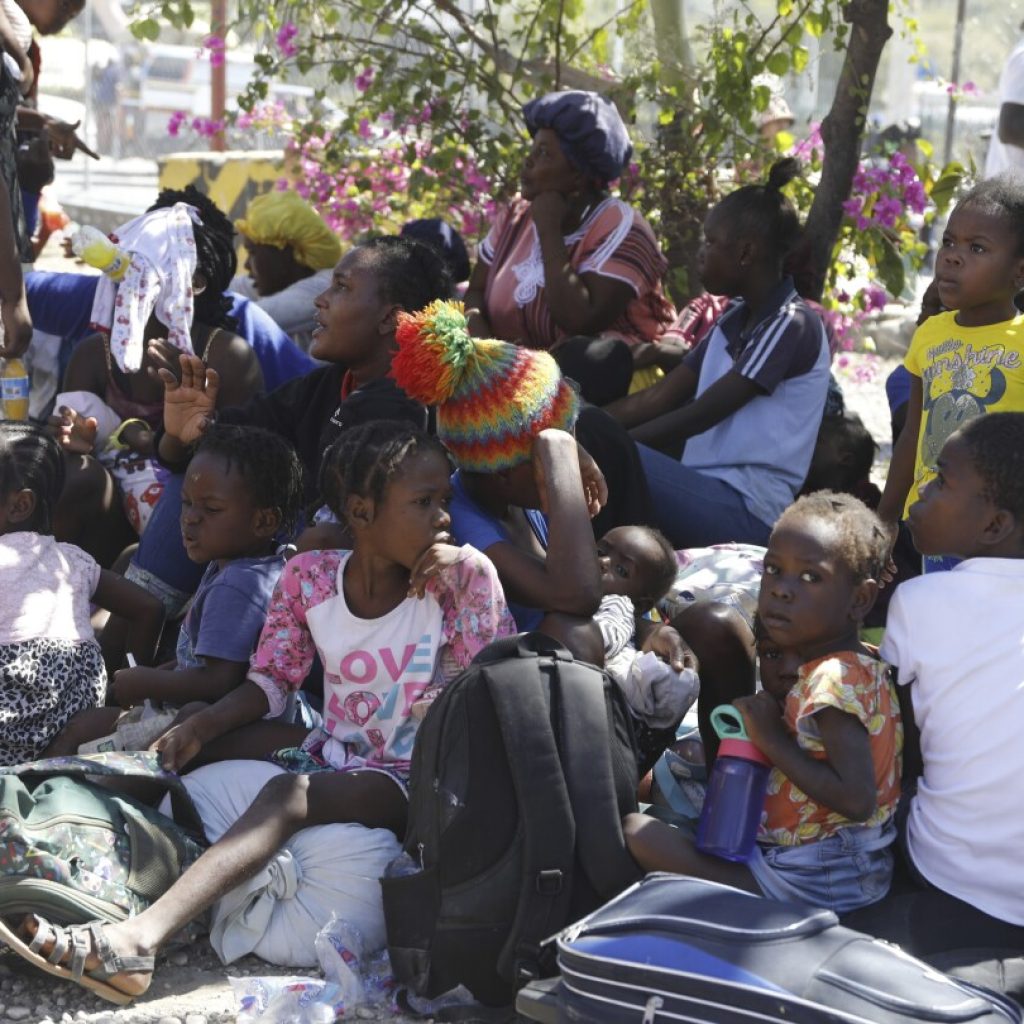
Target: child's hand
column 74, row 433
column 178, row 745
column 595, row 487
column 430, row 564
column 125, row 687
column 190, row 402
column 762, row 718
column 890, row 570
column 669, row 646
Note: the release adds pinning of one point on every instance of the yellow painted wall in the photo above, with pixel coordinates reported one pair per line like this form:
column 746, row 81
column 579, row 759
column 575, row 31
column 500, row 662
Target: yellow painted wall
column 230, row 179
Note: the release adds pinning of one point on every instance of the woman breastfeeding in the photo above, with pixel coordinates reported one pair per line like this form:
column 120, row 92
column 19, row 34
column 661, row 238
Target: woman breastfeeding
column 566, row 266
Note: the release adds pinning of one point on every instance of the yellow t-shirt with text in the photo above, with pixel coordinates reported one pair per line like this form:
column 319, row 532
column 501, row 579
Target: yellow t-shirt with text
column 965, row 372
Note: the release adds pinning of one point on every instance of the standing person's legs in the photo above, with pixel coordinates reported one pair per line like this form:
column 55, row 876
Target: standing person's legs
column 285, row 805
column 695, row 510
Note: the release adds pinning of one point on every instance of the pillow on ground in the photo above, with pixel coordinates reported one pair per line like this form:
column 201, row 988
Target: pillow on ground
column 320, row 870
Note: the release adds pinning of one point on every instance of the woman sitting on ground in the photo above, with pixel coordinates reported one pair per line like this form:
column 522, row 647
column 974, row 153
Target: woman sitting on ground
column 568, row 267
column 291, row 253
column 170, row 299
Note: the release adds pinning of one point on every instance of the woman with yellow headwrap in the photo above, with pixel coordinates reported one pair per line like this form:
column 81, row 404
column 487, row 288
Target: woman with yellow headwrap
column 291, row 253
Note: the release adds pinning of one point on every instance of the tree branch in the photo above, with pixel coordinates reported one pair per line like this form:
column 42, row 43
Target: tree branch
column 841, row 133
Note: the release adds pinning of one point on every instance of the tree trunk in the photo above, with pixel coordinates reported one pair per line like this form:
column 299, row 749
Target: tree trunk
column 841, row 132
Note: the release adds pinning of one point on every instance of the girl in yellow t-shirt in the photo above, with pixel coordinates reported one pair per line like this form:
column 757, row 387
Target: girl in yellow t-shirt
column 969, row 361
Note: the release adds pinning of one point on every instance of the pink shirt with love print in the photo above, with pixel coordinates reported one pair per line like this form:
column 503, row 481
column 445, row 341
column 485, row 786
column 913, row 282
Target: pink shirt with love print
column 374, row 669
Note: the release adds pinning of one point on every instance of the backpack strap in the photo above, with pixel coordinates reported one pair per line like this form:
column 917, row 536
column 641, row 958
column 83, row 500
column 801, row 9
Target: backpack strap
column 520, row 695
column 587, row 767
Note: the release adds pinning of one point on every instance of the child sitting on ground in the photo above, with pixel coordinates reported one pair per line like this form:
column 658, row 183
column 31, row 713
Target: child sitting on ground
column 51, row 668
column 955, row 640
column 827, row 720
column 241, row 492
column 400, row 614
column 638, row 567
column 967, row 362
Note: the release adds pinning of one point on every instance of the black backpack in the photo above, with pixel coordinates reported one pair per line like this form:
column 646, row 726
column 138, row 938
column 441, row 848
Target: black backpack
column 522, row 771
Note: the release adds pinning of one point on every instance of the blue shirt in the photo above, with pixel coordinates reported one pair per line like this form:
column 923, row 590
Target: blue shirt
column 472, row 525
column 227, row 613
column 61, row 304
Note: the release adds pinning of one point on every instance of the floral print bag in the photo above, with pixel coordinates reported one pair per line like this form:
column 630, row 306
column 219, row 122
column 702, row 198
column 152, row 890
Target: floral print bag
column 76, row 851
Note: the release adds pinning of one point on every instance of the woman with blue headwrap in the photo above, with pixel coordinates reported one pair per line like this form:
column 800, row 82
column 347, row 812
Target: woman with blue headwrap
column 567, row 267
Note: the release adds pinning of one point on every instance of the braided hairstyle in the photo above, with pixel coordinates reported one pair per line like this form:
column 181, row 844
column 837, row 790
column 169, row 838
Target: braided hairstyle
column 215, row 254
column 265, row 461
column 365, row 459
column 410, row 273
column 764, row 213
column 31, row 460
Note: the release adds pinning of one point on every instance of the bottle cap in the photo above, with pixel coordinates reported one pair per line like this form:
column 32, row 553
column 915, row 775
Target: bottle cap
column 743, row 749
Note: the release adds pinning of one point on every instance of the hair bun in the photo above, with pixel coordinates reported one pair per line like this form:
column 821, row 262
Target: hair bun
column 434, row 350
column 782, row 173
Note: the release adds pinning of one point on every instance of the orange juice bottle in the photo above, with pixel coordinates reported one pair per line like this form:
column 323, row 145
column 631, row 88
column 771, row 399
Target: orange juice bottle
column 14, row 389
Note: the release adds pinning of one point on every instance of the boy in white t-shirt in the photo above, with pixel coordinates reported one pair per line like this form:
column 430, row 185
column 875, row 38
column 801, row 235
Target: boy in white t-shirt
column 957, row 640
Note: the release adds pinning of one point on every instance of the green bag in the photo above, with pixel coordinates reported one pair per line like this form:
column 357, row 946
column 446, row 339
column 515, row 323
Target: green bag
column 75, row 851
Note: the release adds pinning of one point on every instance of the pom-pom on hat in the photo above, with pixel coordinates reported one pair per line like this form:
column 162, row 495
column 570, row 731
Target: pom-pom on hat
column 592, row 134
column 285, row 218
column 492, row 398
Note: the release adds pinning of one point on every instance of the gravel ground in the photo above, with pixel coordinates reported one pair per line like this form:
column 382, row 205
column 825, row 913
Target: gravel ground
column 189, row 988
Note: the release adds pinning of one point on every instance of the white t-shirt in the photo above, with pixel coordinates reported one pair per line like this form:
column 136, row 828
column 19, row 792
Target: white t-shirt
column 958, row 639
column 1002, row 157
column 45, row 587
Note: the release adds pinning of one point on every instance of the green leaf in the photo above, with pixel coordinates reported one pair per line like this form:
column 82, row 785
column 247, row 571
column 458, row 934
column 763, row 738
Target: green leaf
column 148, row 28
column 942, row 192
column 890, row 265
column 801, row 57
column 778, row 63
column 785, row 8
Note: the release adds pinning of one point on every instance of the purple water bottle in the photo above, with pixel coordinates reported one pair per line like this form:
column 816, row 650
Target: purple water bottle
column 736, row 791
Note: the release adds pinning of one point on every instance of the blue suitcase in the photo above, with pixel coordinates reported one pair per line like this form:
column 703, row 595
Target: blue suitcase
column 682, row 949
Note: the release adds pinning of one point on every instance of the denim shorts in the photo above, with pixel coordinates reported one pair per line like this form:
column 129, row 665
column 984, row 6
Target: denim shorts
column 850, row 869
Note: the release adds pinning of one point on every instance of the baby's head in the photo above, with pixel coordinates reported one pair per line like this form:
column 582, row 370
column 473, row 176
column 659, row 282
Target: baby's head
column 638, row 562
column 31, row 478
column 821, row 569
column 974, row 507
column 241, row 490
column 843, row 455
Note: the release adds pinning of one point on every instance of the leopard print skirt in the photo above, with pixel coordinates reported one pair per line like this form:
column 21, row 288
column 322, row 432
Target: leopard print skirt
column 42, row 684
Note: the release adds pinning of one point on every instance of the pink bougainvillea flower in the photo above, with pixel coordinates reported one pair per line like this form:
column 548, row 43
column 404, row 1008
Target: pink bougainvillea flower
column 286, row 39
column 364, row 79
column 217, row 47
column 176, row 120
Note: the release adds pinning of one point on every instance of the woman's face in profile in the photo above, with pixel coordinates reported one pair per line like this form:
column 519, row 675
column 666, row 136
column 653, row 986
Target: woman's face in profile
column 546, row 168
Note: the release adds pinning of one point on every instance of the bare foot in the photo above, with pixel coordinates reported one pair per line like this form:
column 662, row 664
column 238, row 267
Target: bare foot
column 130, row 983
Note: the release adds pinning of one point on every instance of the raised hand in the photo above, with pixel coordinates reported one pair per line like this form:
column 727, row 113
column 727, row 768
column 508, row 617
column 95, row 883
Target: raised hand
column 189, row 403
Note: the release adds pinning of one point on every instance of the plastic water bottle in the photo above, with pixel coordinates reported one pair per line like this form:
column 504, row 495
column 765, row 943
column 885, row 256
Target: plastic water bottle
column 736, row 791
column 14, row 389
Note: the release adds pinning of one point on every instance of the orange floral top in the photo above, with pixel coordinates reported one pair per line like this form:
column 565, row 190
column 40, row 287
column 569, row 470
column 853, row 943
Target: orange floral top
column 860, row 686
